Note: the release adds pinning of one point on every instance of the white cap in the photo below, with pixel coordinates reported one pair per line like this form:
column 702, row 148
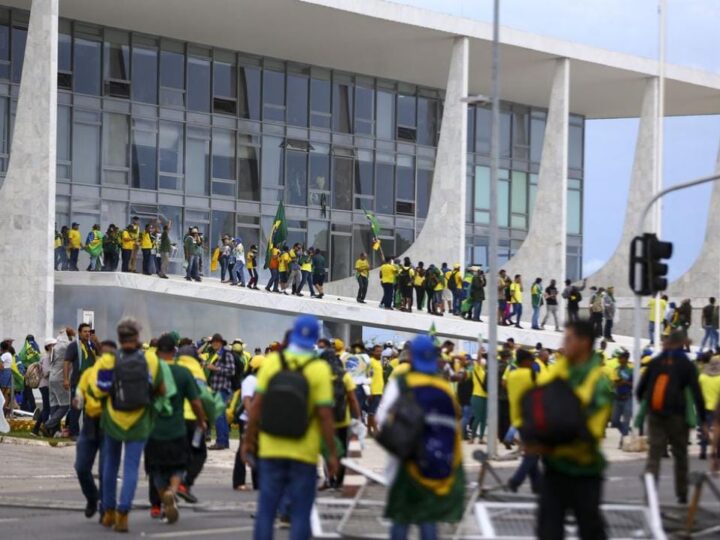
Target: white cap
column 50, row 341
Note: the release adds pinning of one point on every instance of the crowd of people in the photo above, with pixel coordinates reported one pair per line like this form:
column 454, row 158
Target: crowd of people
column 299, row 401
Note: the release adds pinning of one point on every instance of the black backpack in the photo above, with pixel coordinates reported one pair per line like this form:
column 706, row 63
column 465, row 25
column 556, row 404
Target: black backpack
column 285, row 402
column 553, row 415
column 404, row 278
column 239, row 375
column 131, row 387
column 401, row 433
column 340, row 401
column 452, row 283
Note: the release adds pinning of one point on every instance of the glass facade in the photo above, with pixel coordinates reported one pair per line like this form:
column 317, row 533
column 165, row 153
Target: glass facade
column 522, row 131
column 213, row 138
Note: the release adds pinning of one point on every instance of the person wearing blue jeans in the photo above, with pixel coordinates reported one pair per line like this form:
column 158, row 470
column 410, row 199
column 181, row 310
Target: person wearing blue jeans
column 192, row 272
column 222, row 428
column 88, row 446
column 399, row 531
column 113, row 450
column 221, row 365
column 387, row 299
column 710, row 322
column 272, row 285
column 238, row 273
column 294, row 479
column 529, row 467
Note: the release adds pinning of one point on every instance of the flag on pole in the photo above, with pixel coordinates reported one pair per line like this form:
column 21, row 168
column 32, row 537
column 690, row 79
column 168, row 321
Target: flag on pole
column 374, row 229
column 433, row 334
column 278, row 232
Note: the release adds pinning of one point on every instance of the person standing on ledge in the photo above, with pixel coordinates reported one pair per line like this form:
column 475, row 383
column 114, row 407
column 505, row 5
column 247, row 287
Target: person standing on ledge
column 362, row 272
column 388, row 273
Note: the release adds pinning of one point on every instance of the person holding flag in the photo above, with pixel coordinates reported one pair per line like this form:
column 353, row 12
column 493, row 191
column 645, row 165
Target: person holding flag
column 28, row 355
column 278, row 234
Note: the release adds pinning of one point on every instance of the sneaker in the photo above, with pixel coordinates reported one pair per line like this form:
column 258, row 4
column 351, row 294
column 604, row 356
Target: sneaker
column 217, row 446
column 169, row 507
column 185, row 494
column 90, row 509
column 155, row 512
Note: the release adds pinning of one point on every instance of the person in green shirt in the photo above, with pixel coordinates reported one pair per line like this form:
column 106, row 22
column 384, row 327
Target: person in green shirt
column 166, row 452
column 536, row 294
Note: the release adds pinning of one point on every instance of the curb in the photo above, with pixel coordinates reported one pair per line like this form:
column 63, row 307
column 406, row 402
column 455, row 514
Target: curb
column 9, row 439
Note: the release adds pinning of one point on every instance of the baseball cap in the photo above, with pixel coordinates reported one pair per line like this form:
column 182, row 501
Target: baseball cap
column 423, row 354
column 305, row 332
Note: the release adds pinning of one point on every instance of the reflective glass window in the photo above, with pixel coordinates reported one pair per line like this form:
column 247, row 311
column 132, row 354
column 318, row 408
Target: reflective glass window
column 405, row 178
column 19, row 38
column 505, row 131
column 424, row 189
column 520, row 134
column 364, row 168
column 574, row 212
column 248, row 173
column 296, row 178
column 273, row 95
column 320, row 103
column 221, row 223
column 503, row 204
column 249, row 98
column 63, row 138
column 172, row 69
column 144, row 154
column 144, row 71
column 319, row 171
column 172, row 155
column 575, row 145
column 342, row 106
column 87, row 66
column 404, row 238
column 483, row 130
column 4, row 44
column 116, row 143
column 427, row 121
column 86, row 147
column 341, row 261
column 518, row 199
column 537, row 135
column 297, row 99
column 224, row 76
column 470, row 129
column 482, row 187
column 364, row 110
column 273, row 159
column 318, row 235
column 197, row 164
column 406, row 111
column 385, row 114
column 342, row 183
column 64, row 46
column 223, row 154
column 384, row 188
column 117, row 55
column 198, row 91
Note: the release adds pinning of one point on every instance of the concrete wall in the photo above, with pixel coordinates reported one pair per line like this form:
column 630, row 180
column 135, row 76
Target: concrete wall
column 442, row 238
column 27, row 197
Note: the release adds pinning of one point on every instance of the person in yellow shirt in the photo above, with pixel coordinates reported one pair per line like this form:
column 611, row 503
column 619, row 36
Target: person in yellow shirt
column 419, row 285
column 388, row 275
column 251, row 264
column 362, row 273
column 352, row 410
column 74, row 246
column 147, row 245
column 652, row 308
column 284, row 268
column 377, row 386
column 478, row 401
column 134, row 229
column 453, row 289
column 519, row 381
column 288, row 463
column 516, row 299
column 405, row 279
column 710, row 386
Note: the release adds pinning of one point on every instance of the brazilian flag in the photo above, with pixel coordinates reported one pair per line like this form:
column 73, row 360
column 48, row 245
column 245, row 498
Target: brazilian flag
column 278, row 233
column 374, row 229
column 17, row 375
column 29, row 354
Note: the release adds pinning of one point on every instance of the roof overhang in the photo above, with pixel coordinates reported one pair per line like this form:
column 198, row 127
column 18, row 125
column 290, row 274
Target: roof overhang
column 399, row 42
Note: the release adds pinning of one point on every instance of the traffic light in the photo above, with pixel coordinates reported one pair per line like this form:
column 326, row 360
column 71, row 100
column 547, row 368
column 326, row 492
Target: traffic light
column 647, row 270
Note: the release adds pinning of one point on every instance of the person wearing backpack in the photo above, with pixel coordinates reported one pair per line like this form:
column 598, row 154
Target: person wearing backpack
column 127, row 382
column 574, row 465
column 667, row 384
column 166, row 451
column 405, row 280
column 220, row 365
column 425, row 471
column 454, row 281
column 290, row 415
column 571, row 293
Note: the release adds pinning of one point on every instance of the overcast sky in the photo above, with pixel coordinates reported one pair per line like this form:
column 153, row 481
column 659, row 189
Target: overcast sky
column 691, row 143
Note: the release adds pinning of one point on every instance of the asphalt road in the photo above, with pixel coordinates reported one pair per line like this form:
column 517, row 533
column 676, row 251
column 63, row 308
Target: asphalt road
column 40, row 497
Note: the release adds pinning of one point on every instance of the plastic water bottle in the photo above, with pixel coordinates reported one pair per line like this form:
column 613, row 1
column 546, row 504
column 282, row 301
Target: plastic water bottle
column 197, row 437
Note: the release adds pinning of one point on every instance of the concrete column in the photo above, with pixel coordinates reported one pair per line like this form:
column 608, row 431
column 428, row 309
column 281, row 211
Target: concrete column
column 349, row 333
column 27, row 198
column 542, row 254
column 442, row 238
column 615, row 271
column 703, row 278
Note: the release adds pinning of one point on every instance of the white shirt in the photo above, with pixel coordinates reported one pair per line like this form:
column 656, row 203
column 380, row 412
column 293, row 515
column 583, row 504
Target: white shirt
column 6, row 360
column 239, row 254
column 247, row 390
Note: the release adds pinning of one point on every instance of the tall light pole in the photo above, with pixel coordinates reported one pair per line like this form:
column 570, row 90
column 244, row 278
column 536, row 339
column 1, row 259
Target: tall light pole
column 492, row 367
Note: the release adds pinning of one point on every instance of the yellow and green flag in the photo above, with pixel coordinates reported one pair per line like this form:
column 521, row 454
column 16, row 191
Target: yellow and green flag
column 374, row 229
column 278, row 233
